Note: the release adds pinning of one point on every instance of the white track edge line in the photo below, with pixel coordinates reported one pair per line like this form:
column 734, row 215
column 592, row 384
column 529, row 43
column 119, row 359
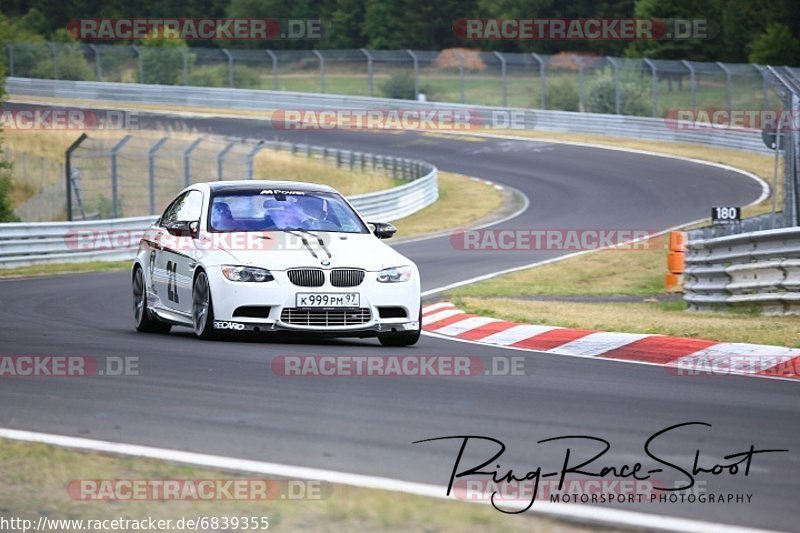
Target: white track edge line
column 559, row 510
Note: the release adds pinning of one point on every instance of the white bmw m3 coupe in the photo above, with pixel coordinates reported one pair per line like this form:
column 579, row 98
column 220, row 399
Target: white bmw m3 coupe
column 271, row 256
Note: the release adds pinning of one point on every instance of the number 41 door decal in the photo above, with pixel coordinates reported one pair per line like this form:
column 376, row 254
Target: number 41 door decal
column 172, row 281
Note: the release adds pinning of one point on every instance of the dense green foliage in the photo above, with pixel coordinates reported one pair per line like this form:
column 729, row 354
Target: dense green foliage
column 6, row 213
column 742, row 30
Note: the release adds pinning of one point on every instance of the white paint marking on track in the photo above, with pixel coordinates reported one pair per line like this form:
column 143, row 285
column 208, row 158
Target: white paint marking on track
column 568, row 511
column 516, row 334
column 441, row 315
column 438, row 306
column 595, row 344
column 466, row 325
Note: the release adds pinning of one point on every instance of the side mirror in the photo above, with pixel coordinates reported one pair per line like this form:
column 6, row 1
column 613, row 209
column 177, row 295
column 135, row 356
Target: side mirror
column 184, row 229
column 383, row 230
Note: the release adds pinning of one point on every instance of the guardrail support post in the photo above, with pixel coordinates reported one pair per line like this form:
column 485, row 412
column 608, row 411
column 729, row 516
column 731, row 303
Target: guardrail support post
column 68, row 171
column 98, row 68
column 321, row 70
column 229, row 56
column 151, row 173
column 274, row 58
column 542, row 81
column 187, row 161
column 503, row 78
column 416, row 73
column 115, row 177
column 221, row 160
column 654, row 86
column 369, row 70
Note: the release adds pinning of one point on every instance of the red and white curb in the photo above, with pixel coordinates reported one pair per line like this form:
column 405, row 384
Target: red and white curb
column 679, row 355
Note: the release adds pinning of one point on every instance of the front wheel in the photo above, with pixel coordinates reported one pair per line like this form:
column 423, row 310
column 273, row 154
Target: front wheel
column 143, row 319
column 202, row 309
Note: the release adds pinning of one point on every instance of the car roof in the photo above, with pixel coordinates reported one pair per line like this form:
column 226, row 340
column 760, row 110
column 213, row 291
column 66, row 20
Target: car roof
column 244, row 185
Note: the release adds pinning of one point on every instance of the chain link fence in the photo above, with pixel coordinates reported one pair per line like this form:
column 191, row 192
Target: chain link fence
column 130, row 176
column 567, row 81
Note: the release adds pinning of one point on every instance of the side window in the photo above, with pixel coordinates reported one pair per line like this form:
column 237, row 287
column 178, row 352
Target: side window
column 191, row 207
column 186, row 208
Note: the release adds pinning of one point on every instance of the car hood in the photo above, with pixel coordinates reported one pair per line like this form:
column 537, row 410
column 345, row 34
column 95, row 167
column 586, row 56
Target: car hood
column 281, row 251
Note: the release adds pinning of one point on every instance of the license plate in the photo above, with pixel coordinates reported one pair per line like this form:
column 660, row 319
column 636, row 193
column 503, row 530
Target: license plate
column 327, row 299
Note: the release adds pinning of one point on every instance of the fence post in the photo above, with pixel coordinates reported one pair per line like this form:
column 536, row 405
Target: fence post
column 54, row 51
column 369, row 70
column 221, row 159
column 617, row 88
column 98, row 68
column 252, row 155
column 728, row 84
column 229, row 56
column 461, row 74
column 140, row 59
column 185, row 57
column 187, row 161
column 321, row 70
column 692, row 83
column 542, row 81
column 504, row 80
column 10, row 59
column 274, row 58
column 68, row 171
column 416, row 73
column 151, row 173
column 114, row 177
column 654, row 86
column 581, row 85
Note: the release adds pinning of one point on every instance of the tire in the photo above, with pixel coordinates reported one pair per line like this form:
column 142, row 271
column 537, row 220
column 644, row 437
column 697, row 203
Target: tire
column 143, row 319
column 202, row 308
column 403, row 338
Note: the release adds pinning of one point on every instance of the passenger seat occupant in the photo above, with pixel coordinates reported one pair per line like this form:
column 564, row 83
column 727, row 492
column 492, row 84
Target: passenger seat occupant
column 221, row 217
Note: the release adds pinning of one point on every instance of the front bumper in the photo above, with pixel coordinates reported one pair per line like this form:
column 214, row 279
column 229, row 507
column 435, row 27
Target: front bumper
column 279, row 295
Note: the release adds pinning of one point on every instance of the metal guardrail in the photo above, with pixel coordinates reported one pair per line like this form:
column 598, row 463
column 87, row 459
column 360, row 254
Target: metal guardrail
column 757, row 270
column 23, row 244
column 259, row 100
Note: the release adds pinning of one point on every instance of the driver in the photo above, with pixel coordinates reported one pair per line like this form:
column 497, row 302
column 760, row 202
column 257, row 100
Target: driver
column 316, row 217
column 221, row 217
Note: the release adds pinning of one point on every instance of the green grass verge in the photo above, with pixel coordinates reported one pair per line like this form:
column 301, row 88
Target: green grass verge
column 34, row 480
column 631, row 272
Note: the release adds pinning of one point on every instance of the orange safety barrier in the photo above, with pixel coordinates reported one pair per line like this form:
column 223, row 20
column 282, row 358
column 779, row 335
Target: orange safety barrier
column 676, row 261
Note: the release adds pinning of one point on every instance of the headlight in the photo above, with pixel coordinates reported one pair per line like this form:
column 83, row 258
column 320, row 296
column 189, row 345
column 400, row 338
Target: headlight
column 394, row 274
column 243, row 273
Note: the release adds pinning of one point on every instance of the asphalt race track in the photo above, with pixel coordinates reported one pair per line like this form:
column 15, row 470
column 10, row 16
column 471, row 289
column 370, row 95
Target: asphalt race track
column 223, row 398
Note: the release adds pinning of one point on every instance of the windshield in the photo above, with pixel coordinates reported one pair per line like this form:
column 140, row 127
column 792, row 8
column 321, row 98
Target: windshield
column 279, row 210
